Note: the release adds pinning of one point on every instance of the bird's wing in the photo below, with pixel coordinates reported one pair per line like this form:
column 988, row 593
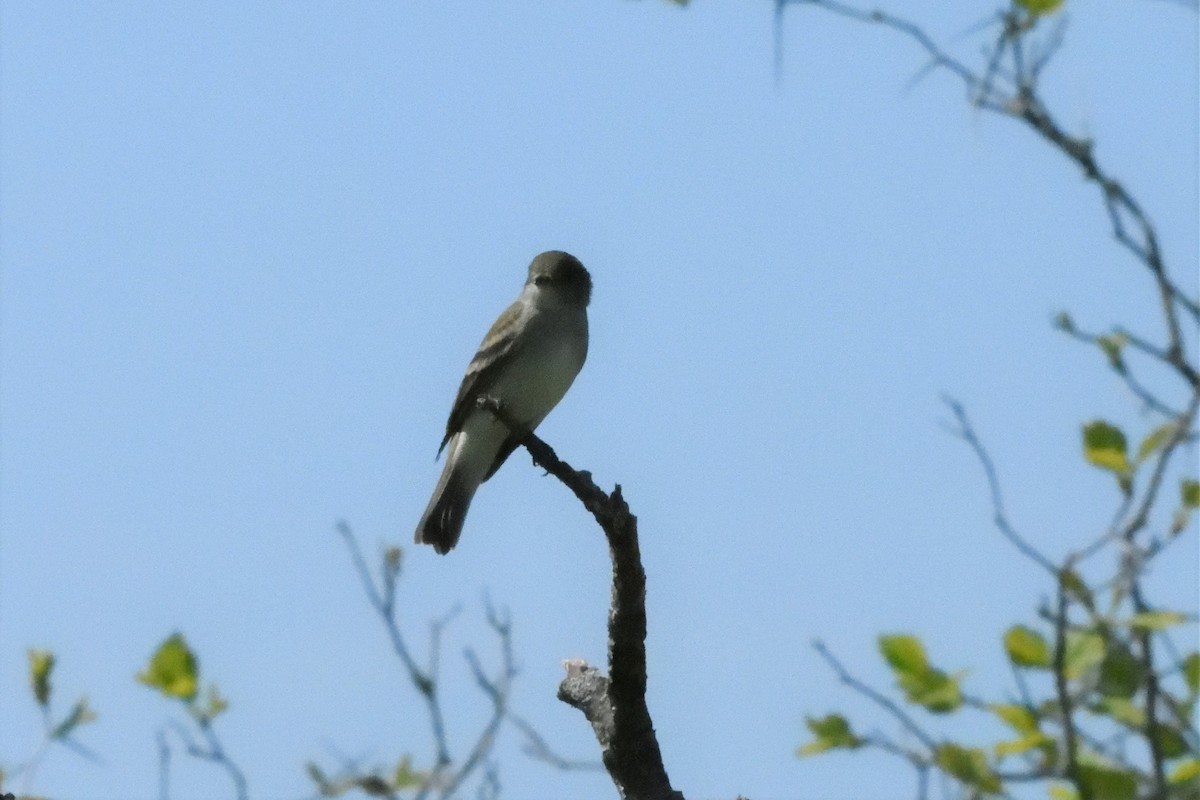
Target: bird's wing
column 496, row 347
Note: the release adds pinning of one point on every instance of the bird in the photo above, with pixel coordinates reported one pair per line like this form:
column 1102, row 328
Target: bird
column 525, row 364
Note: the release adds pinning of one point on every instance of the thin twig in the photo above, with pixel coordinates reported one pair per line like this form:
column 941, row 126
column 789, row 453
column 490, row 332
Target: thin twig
column 1119, row 366
column 497, row 690
column 212, row 751
column 866, row 691
column 384, row 604
column 538, row 748
column 967, row 433
column 1023, row 103
column 1065, row 702
column 1182, row 425
column 1146, row 657
column 164, row 766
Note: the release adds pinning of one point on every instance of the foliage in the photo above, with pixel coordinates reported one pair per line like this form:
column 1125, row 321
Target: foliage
column 1104, row 705
column 174, row 670
column 56, row 730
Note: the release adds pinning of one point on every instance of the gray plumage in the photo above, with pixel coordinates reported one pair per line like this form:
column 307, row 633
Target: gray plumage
column 527, row 361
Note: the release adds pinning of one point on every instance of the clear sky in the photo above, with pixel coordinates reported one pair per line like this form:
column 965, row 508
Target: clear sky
column 249, row 248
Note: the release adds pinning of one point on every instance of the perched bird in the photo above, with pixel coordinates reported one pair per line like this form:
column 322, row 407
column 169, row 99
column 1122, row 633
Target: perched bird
column 526, row 362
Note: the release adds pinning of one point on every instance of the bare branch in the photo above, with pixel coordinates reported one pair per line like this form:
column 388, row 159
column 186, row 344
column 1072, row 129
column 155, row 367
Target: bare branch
column 1119, row 366
column 967, row 433
column 446, row 779
column 1065, row 701
column 497, row 690
column 538, row 748
column 384, row 604
column 1021, row 101
column 1182, row 425
column 212, row 751
column 1153, row 739
column 616, row 705
column 938, row 56
column 164, row 766
column 866, row 691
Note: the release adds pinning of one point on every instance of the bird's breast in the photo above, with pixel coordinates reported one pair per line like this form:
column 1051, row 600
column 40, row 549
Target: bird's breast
column 542, row 370
column 538, row 378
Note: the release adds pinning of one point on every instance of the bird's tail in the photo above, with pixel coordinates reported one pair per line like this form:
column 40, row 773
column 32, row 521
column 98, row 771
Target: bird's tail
column 442, row 522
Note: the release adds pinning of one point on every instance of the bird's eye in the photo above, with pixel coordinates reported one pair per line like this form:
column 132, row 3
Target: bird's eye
column 541, row 280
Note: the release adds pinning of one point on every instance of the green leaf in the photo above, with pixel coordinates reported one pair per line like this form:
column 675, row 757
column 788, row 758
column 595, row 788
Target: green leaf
column 173, row 669
column 1112, row 346
column 969, row 765
column 1189, row 493
column 1019, row 718
column 1170, row 741
column 1179, row 521
column 214, row 703
column 1024, row 744
column 80, row 715
column 1157, row 438
column 327, row 787
column 1049, row 708
column 41, row 664
column 318, row 777
column 904, row 653
column 1026, row 647
column 1188, row 790
column 1122, row 710
column 922, row 684
column 933, row 689
column 1191, row 672
column 1189, row 498
column 1074, row 586
column 1121, row 673
column 373, row 786
column 1084, row 652
column 1108, row 783
column 831, row 732
column 1104, row 446
column 1063, row 321
column 1157, row 620
column 1040, row 7
column 406, row 777
column 1059, row 792
column 1025, row 722
column 1185, row 771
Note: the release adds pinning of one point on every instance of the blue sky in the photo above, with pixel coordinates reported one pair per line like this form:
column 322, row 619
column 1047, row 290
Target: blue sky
column 249, row 248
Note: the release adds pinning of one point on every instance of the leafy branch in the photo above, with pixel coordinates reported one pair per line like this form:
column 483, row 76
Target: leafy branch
column 56, row 731
column 1098, row 664
column 174, row 670
column 1008, row 85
